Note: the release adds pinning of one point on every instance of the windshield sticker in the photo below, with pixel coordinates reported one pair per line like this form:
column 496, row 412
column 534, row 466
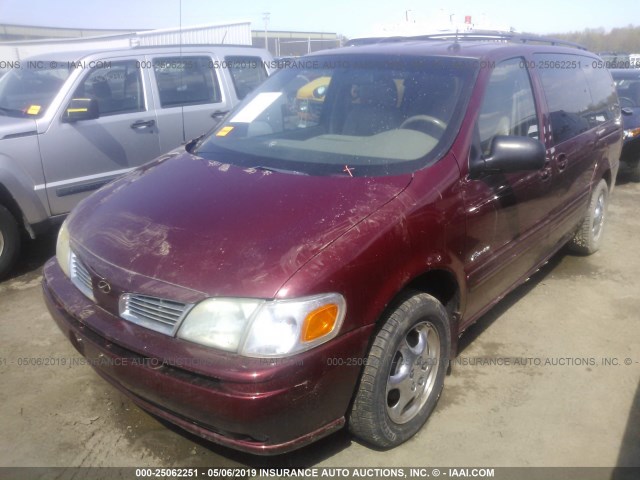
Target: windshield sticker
column 255, row 107
column 223, row 132
column 34, row 110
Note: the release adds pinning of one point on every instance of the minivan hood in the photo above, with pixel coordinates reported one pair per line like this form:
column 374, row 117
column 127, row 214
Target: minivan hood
column 15, row 126
column 220, row 229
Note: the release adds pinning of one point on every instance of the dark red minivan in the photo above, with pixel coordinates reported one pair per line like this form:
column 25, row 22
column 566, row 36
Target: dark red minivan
column 311, row 262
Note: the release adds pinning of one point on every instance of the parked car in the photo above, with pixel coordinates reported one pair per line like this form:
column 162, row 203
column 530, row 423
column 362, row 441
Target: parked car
column 280, row 279
column 71, row 122
column 628, row 87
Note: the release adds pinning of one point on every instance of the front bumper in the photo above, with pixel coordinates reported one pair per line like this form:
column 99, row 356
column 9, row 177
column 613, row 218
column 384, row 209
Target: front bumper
column 293, row 402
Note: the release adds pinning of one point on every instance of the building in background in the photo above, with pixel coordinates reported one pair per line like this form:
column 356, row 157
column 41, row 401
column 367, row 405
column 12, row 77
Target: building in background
column 35, row 40
column 21, row 41
column 439, row 22
column 293, row 44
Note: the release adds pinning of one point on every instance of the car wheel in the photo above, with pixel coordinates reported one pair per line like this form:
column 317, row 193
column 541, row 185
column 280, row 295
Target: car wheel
column 588, row 237
column 9, row 241
column 404, row 373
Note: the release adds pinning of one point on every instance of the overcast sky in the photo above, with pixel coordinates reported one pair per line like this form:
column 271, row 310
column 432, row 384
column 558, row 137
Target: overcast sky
column 351, row 18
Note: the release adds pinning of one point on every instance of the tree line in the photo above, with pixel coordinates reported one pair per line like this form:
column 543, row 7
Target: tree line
column 621, row 40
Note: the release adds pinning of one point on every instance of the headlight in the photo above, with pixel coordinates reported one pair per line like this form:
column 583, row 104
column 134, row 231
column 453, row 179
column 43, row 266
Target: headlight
column 63, row 250
column 634, row 132
column 261, row 328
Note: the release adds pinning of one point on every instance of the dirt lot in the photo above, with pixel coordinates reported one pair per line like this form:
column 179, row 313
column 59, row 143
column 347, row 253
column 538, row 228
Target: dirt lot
column 573, row 399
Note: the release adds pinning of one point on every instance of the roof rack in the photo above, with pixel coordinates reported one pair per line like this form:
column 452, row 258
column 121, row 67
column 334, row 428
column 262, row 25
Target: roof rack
column 186, row 45
column 487, row 35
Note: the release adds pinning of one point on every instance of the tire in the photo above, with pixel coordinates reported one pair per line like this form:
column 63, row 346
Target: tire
column 404, row 374
column 588, row 237
column 9, row 241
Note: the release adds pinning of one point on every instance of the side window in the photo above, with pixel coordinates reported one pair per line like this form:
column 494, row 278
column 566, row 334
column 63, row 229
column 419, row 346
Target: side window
column 567, row 92
column 186, row 81
column 117, row 89
column 603, row 99
column 246, row 72
column 628, row 91
column 508, row 107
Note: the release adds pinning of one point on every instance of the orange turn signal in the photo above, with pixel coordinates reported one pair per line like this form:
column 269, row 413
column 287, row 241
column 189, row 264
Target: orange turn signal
column 319, row 322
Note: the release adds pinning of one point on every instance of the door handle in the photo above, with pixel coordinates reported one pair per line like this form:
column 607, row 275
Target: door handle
column 562, row 162
column 143, row 124
column 219, row 114
column 545, row 174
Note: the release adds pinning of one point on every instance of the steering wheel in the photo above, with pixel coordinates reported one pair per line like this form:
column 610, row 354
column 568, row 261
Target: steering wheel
column 626, row 102
column 424, row 119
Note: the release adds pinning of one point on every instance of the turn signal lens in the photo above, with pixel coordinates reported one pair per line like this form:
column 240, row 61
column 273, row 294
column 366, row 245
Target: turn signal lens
column 632, row 133
column 319, row 322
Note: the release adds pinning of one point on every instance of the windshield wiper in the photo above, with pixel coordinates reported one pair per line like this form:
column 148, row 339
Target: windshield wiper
column 278, row 170
column 9, row 111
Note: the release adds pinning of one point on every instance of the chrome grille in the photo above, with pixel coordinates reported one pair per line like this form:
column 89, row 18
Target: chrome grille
column 157, row 314
column 80, row 276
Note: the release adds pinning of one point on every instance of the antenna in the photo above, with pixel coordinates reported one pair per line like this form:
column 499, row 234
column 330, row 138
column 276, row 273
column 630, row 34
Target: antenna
column 455, row 47
column 184, row 131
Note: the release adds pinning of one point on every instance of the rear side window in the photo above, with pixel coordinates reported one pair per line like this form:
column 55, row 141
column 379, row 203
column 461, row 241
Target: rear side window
column 508, row 107
column 186, row 81
column 572, row 109
column 246, row 72
column 117, row 89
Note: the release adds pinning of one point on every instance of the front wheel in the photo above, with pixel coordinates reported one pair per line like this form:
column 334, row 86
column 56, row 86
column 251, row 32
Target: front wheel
column 9, row 241
column 404, row 374
column 588, row 238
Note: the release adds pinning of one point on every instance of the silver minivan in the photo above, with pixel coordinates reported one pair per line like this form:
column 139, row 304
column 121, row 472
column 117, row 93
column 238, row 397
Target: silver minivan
column 71, row 122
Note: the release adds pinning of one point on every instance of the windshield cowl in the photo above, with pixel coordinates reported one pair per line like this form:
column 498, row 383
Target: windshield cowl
column 11, row 127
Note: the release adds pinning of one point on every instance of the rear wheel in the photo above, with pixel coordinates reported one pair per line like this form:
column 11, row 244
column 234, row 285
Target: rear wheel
column 588, row 238
column 404, row 375
column 9, row 241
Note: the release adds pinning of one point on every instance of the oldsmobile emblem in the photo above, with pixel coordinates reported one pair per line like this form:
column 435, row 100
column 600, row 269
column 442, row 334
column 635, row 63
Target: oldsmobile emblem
column 104, row 286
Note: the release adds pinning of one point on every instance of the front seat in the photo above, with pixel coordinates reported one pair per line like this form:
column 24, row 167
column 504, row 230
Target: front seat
column 377, row 110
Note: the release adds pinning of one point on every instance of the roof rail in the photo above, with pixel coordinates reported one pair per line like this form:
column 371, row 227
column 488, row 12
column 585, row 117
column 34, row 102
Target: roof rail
column 186, row 45
column 494, row 35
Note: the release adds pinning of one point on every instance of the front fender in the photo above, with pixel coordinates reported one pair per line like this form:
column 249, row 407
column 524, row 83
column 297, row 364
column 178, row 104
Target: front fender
column 21, row 189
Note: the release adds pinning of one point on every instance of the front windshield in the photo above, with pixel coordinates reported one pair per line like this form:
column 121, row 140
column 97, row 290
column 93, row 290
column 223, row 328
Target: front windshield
column 27, row 91
column 348, row 115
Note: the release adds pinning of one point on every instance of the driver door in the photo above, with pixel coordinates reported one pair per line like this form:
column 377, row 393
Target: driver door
column 80, row 157
column 506, row 212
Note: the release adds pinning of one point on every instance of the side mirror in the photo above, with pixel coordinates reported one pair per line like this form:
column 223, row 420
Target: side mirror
column 81, row 109
column 192, row 143
column 510, row 154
